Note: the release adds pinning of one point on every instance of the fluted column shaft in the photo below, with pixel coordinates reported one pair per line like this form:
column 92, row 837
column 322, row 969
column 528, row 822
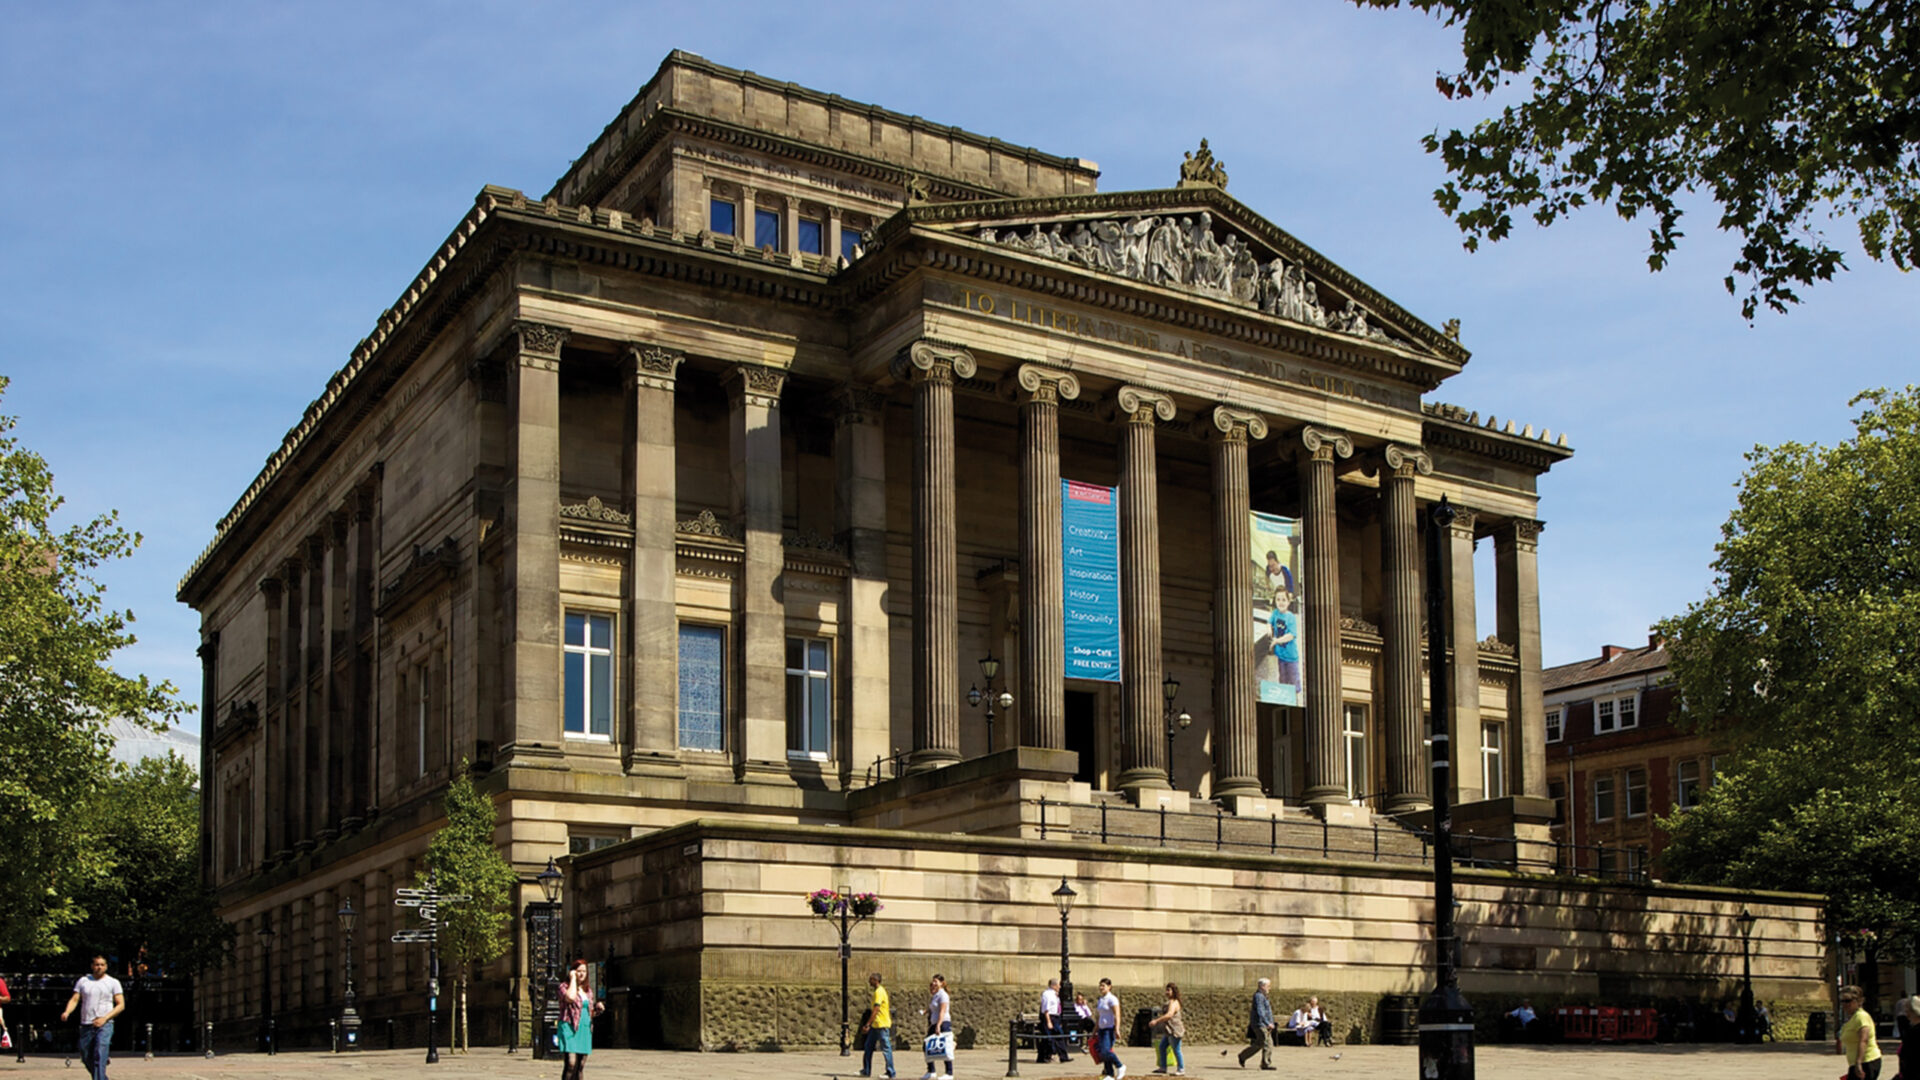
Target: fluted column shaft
column 1236, row 738
column 1326, row 764
column 1143, row 755
column 1517, row 572
column 1041, row 697
column 1457, row 560
column 936, row 637
column 1400, row 565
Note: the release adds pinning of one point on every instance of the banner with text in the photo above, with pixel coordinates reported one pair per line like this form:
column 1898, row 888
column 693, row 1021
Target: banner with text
column 1090, row 544
column 1278, row 603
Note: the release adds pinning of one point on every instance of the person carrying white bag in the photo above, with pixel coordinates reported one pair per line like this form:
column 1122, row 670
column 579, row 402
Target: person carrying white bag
column 939, row 1044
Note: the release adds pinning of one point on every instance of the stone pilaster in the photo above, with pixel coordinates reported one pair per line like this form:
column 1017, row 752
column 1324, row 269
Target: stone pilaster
column 1041, row 695
column 650, row 737
column 1400, row 566
column 1326, row 763
column 210, row 792
column 1517, row 574
column 365, row 541
column 860, row 462
column 273, row 723
column 532, row 565
column 1456, row 554
column 1143, row 754
column 1236, row 739
column 936, row 638
column 761, row 704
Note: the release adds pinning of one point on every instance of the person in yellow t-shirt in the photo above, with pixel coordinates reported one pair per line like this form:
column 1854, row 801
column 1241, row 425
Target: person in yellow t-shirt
column 1857, row 1037
column 878, row 1030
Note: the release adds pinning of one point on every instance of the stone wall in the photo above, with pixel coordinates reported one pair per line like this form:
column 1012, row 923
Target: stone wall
column 709, row 916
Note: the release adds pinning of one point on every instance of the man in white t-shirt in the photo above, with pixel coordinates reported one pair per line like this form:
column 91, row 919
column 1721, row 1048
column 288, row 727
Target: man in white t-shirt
column 1106, row 1022
column 1052, row 1042
column 99, row 998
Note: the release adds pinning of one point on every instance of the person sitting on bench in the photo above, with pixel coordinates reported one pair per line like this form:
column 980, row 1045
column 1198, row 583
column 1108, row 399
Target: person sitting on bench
column 1309, row 1022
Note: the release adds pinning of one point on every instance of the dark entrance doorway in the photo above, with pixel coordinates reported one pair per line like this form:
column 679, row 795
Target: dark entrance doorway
column 1083, row 733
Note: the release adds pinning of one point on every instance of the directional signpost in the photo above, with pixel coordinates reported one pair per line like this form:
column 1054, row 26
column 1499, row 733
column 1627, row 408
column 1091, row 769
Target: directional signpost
column 428, row 901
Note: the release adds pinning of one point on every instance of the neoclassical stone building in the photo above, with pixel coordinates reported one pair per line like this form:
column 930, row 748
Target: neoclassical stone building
column 689, row 496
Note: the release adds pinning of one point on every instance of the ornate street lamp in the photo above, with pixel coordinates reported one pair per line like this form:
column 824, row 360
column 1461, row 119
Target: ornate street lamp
column 1747, row 1022
column 1177, row 720
column 852, row 909
column 543, row 958
column 1446, row 1018
column 990, row 670
column 266, row 982
column 349, row 1017
column 1063, row 899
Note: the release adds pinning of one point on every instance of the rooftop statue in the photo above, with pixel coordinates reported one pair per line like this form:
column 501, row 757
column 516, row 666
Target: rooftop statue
column 1202, row 169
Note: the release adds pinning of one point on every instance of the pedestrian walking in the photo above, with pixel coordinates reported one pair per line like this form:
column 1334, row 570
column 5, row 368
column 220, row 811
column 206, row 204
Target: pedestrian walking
column 1858, row 1039
column 1173, row 1028
column 577, row 1010
column 939, row 1044
column 1259, row 1028
column 878, row 1030
column 6, row 998
column 1053, row 1040
column 99, row 998
column 1106, row 1021
column 1909, row 1060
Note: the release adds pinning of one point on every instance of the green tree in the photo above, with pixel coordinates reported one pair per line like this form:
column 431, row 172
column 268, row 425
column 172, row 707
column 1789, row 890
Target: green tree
column 57, row 693
column 1804, row 653
column 148, row 897
column 1787, row 113
column 462, row 859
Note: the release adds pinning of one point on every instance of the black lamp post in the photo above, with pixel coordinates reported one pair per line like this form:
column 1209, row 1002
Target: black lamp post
column 990, row 670
column 349, row 1017
column 1748, row 1020
column 1178, row 720
column 1446, row 1019
column 266, row 982
column 543, row 958
column 1063, row 899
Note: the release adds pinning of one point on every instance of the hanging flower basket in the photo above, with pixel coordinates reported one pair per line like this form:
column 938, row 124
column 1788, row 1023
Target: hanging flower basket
column 866, row 904
column 823, row 902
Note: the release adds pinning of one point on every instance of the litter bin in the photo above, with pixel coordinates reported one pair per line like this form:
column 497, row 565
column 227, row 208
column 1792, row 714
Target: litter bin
column 1817, row 1027
column 1142, row 1034
column 1399, row 1020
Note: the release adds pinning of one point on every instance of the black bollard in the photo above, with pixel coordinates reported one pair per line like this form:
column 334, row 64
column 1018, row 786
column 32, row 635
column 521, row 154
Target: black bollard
column 149, row 1056
column 333, row 1035
column 273, row 1039
column 206, row 1039
column 513, row 1026
column 1013, row 1050
column 389, row 1034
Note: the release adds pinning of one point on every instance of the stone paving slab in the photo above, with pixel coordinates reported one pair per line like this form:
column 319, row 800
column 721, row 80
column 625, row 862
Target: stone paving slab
column 1784, row 1061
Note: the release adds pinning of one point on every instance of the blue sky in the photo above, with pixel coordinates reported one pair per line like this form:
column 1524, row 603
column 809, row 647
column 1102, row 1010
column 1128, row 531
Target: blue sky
column 205, row 205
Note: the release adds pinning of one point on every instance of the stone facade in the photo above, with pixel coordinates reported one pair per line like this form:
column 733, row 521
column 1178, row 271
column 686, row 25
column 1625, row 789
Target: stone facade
column 696, row 488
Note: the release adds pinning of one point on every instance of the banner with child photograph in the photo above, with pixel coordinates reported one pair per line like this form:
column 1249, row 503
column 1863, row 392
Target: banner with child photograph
column 1278, row 607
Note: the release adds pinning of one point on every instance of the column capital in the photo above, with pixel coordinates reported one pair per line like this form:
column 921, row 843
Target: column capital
column 540, row 343
column 1404, row 462
column 756, row 385
column 488, row 374
column 337, row 523
column 1237, row 425
column 1031, row 384
column 1523, row 533
column 1463, row 522
column 1325, row 445
column 857, row 404
column 651, row 366
column 933, row 361
column 1139, row 405
column 316, row 549
column 270, row 590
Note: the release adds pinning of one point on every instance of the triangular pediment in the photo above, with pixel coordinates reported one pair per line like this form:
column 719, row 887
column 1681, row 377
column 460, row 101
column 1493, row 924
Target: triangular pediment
column 1196, row 240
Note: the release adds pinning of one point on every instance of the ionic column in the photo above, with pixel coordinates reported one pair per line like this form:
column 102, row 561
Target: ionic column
column 532, row 565
column 1400, row 566
column 757, row 509
column 1516, row 570
column 860, row 512
column 1042, row 693
column 936, row 637
column 1143, row 753
column 1236, row 739
column 1326, row 765
column 651, row 734
column 1456, row 555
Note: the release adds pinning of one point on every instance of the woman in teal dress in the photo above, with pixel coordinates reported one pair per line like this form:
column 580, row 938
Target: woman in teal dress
column 577, row 1010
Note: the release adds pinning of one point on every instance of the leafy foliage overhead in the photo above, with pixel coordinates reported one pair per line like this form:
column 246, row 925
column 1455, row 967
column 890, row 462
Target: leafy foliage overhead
column 1787, row 113
column 1805, row 653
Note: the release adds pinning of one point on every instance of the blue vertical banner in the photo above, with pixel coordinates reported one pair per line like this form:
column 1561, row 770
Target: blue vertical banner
column 1278, row 602
column 1090, row 544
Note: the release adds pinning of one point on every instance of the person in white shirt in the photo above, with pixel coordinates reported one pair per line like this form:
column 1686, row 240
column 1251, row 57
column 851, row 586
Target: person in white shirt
column 99, row 998
column 1299, row 1027
column 1318, row 1022
column 1106, row 1025
column 940, row 1022
column 1052, row 1043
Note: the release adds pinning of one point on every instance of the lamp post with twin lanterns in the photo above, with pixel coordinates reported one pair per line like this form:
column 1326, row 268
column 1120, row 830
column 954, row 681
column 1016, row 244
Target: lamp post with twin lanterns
column 1178, row 720
column 1747, row 1022
column 349, row 1017
column 543, row 958
column 1063, row 899
column 990, row 669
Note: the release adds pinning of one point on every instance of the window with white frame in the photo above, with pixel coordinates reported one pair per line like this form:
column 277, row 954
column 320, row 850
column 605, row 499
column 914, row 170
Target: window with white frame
column 583, row 843
column 1557, row 791
column 1616, row 713
column 1354, row 735
column 1554, row 730
column 1493, row 758
column 1686, row 784
column 809, row 697
column 589, row 675
column 1603, row 798
column 703, row 698
column 1636, row 793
